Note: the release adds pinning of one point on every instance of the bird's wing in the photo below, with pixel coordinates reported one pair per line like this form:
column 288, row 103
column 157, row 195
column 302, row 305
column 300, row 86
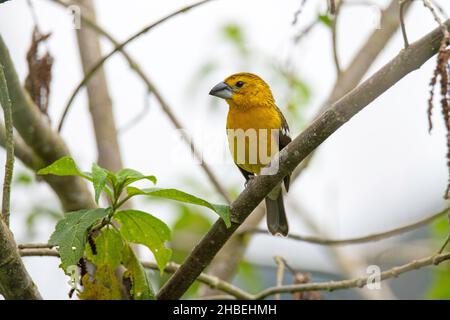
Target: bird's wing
column 284, row 140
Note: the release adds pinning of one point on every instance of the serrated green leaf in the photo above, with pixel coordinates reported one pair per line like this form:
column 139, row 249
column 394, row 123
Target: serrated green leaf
column 99, row 178
column 141, row 288
column 109, row 246
column 143, row 228
column 65, row 166
column 127, row 176
column 173, row 194
column 70, row 234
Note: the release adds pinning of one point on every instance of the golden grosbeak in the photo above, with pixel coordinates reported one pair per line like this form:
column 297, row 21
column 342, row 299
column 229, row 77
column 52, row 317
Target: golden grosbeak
column 256, row 130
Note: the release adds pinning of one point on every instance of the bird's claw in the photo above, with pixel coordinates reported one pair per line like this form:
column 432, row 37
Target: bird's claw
column 250, row 178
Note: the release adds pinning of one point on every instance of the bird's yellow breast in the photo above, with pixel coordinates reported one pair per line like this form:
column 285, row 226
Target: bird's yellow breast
column 251, row 135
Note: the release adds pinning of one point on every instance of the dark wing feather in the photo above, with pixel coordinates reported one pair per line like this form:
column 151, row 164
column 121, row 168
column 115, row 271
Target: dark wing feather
column 284, row 139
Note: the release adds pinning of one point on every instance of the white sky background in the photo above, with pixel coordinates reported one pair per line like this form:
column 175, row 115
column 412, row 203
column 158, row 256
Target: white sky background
column 381, row 170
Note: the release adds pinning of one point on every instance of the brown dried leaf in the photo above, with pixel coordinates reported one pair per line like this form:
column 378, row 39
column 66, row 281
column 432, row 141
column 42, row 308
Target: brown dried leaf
column 301, row 278
column 441, row 73
column 39, row 76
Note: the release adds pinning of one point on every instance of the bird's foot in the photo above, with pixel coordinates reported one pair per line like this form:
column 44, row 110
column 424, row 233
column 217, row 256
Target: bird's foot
column 250, row 178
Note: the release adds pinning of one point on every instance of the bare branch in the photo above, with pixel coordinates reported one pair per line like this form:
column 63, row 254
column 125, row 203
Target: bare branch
column 100, row 104
column 43, row 250
column 9, row 166
column 324, row 126
column 402, row 21
column 356, row 282
column 240, row 294
column 358, row 240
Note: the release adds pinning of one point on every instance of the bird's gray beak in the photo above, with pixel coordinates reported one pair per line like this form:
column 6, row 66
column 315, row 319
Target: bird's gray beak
column 222, row 90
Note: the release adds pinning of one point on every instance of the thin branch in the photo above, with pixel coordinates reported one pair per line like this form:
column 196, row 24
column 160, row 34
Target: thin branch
column 280, row 274
column 437, row 18
column 364, row 239
column 356, row 282
column 317, row 286
column 290, row 157
column 402, row 21
column 119, row 47
column 334, row 21
column 9, row 166
column 152, row 88
column 46, row 250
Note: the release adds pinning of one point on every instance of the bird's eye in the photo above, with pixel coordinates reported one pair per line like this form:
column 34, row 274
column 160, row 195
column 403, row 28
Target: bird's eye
column 239, row 84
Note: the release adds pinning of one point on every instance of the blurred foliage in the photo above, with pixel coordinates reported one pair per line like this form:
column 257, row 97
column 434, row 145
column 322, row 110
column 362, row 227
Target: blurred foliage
column 37, row 213
column 440, row 287
column 249, row 277
column 23, row 178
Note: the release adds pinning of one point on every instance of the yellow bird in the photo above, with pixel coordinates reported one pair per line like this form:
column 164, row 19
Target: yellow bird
column 256, row 130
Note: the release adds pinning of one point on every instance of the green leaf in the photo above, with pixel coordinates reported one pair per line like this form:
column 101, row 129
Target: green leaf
column 71, row 232
column 325, row 19
column 109, row 246
column 99, row 178
column 127, row 176
column 63, row 167
column 222, row 210
column 141, row 288
column 143, row 228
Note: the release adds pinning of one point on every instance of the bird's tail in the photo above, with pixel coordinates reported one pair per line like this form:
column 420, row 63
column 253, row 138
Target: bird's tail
column 276, row 215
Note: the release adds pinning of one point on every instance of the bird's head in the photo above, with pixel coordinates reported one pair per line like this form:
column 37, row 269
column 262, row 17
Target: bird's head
column 244, row 90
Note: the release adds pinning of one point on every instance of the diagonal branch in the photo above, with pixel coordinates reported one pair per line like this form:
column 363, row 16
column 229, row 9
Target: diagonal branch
column 289, row 158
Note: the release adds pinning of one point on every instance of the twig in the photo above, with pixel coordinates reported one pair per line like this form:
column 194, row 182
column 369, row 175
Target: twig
column 437, row 18
column 298, row 11
column 334, row 21
column 152, row 88
column 117, row 48
column 9, row 166
column 402, row 22
column 280, row 274
column 445, row 244
column 368, row 238
column 356, row 282
column 289, row 158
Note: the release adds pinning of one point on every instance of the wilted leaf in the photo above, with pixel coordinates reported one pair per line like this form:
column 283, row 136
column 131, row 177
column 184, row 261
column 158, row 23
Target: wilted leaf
column 173, row 194
column 141, row 288
column 143, row 228
column 109, row 246
column 71, row 232
column 104, row 286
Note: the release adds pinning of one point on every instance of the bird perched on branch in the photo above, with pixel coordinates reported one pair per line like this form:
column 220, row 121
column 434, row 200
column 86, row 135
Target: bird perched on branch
column 256, row 131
